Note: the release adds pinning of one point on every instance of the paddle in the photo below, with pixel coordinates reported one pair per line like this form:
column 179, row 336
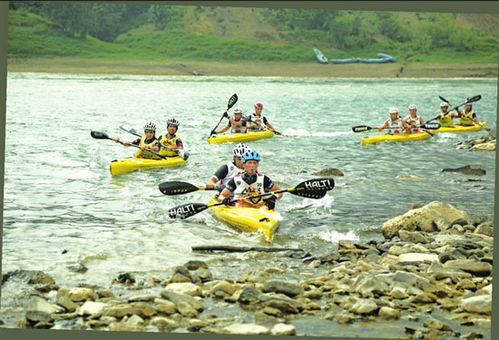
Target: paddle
column 102, row 135
column 468, row 100
column 232, row 101
column 362, row 128
column 129, row 129
column 314, row 188
column 179, row 188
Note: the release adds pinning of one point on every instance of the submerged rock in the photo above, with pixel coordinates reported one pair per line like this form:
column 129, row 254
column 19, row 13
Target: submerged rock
column 290, row 288
column 473, row 170
column 329, row 172
column 39, row 309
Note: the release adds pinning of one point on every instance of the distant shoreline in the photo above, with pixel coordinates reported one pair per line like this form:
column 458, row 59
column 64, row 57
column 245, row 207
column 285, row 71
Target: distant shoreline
column 257, row 69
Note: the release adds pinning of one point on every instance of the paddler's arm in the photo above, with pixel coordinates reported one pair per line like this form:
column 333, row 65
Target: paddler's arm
column 382, row 127
column 270, row 127
column 223, row 129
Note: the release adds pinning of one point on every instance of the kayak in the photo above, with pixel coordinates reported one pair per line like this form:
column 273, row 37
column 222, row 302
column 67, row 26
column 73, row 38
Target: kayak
column 118, row 167
column 462, row 128
column 239, row 137
column 248, row 219
column 399, row 138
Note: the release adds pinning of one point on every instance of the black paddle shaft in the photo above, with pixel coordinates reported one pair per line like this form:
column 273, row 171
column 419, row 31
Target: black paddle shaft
column 232, row 100
column 102, row 135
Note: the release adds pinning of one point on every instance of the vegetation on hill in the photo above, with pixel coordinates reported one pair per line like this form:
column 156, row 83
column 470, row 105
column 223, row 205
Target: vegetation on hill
column 148, row 32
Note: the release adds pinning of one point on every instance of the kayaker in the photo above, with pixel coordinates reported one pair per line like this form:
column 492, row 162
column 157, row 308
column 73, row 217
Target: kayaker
column 236, row 123
column 393, row 124
column 412, row 120
column 169, row 139
column 444, row 116
column 467, row 117
column 258, row 122
column 148, row 141
column 227, row 171
column 250, row 182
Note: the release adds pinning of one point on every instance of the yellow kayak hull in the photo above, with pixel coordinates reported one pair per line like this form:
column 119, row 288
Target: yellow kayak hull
column 253, row 220
column 399, row 138
column 123, row 166
column 462, row 128
column 239, row 137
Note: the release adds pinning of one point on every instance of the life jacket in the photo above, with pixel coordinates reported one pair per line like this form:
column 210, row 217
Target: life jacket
column 394, row 126
column 237, row 129
column 232, row 171
column 145, row 153
column 257, row 119
column 467, row 118
column 165, row 141
column 245, row 189
column 446, row 121
column 410, row 120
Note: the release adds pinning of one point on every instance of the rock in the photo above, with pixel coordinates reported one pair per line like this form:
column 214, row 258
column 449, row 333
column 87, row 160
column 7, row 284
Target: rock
column 186, row 309
column 184, row 288
column 103, row 293
column 290, row 288
column 388, row 313
column 412, row 236
column 398, row 293
column 370, row 285
column 126, row 279
column 417, row 257
column 77, row 268
column 452, row 254
column 466, row 284
column 249, row 295
column 122, row 309
column 94, row 309
column 177, row 298
column 195, row 265
column 142, row 298
column 473, row 170
column 284, row 304
column 477, row 304
column 39, row 309
column 421, row 218
column 165, row 306
column 223, row 288
column 364, row 306
column 283, row 329
column 329, row 172
column 470, row 266
column 181, row 274
column 246, row 329
column 29, row 276
column 485, row 229
column 489, row 146
column 163, row 322
column 66, row 302
column 203, row 274
column 433, row 323
column 76, row 294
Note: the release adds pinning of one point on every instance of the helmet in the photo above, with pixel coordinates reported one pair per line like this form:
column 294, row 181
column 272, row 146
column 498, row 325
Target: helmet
column 468, row 104
column 240, row 149
column 393, row 110
column 259, row 105
column 238, row 110
column 413, row 107
column 442, row 104
column 173, row 122
column 251, row 155
column 150, row 126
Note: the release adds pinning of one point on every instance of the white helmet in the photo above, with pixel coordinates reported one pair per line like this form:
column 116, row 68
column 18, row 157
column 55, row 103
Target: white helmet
column 240, row 149
column 150, row 126
column 442, row 104
column 238, row 110
column 413, row 107
column 173, row 122
column 393, row 110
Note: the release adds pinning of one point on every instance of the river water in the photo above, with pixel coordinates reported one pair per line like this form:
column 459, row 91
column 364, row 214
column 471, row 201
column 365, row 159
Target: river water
column 62, row 206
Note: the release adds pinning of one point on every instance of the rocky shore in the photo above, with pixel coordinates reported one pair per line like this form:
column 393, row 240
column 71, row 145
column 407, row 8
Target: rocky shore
column 433, row 269
column 486, row 142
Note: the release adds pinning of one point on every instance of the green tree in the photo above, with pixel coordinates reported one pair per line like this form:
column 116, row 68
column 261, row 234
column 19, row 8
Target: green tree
column 76, row 18
column 158, row 15
column 108, row 18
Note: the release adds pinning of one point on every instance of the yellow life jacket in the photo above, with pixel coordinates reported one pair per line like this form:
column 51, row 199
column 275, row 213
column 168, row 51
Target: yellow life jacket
column 466, row 118
column 145, row 153
column 446, row 121
column 165, row 141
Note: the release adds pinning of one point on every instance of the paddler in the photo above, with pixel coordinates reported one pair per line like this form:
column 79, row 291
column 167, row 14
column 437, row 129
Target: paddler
column 171, row 144
column 412, row 120
column 444, row 116
column 237, row 124
column 146, row 142
column 227, row 171
column 393, row 124
column 467, row 117
column 258, row 122
column 250, row 182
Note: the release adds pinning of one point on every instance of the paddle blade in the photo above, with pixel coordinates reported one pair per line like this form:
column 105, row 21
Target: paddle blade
column 130, row 129
column 314, row 188
column 176, row 188
column 99, row 135
column 443, row 99
column 431, row 126
column 186, row 210
column 232, row 101
column 361, row 128
column 473, row 99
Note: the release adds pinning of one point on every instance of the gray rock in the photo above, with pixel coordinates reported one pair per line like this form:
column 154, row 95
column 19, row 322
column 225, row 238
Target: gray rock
column 39, row 309
column 417, row 258
column 249, row 295
column 163, row 322
column 290, row 288
column 283, row 329
column 246, row 329
column 29, row 276
column 329, row 172
column 165, row 306
column 184, row 288
column 451, row 254
column 126, row 279
column 371, row 285
column 489, row 146
column 470, row 266
column 473, row 170
column 223, row 288
column 412, row 236
column 66, row 302
column 485, row 229
column 388, row 313
column 202, row 274
column 94, row 309
column 77, row 268
column 76, row 294
column 123, row 309
column 177, row 298
column 364, row 306
column 195, row 265
column 477, row 304
column 433, row 323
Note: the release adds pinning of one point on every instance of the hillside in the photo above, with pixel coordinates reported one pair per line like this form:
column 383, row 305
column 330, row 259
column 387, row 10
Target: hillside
column 195, row 33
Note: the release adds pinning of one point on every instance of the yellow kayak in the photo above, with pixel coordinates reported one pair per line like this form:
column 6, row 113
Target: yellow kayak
column 127, row 165
column 248, row 219
column 399, row 138
column 239, row 137
column 462, row 128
